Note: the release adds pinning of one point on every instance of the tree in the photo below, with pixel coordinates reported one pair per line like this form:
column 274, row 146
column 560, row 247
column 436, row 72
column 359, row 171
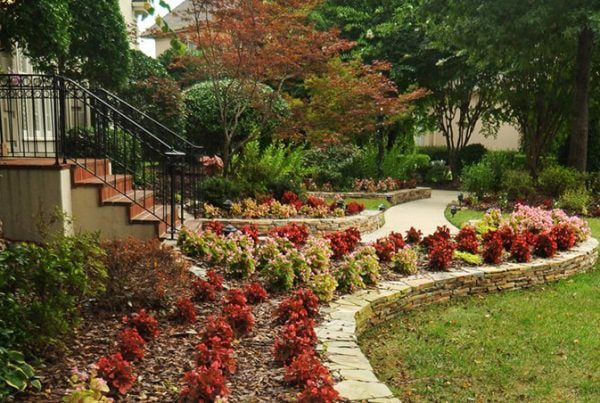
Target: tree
column 243, row 44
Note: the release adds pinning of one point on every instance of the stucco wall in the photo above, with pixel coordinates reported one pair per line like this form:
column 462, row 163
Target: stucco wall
column 30, row 196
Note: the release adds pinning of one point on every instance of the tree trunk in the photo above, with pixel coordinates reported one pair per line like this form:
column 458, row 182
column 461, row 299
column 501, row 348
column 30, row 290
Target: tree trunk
column 226, row 158
column 578, row 143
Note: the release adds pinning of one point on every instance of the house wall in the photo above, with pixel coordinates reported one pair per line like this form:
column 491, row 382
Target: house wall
column 161, row 45
column 30, row 196
column 507, row 138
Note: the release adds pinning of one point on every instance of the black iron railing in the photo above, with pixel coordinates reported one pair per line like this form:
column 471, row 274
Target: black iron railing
column 48, row 116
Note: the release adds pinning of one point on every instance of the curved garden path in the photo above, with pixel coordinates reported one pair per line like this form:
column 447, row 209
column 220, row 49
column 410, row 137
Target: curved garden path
column 424, row 214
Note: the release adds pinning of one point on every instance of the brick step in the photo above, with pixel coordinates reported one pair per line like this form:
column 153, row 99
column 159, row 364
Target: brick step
column 138, row 201
column 110, row 185
column 89, row 168
column 151, row 217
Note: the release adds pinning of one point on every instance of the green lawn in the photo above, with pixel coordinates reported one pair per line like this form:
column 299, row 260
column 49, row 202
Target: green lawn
column 533, row 345
column 462, row 216
column 370, row 204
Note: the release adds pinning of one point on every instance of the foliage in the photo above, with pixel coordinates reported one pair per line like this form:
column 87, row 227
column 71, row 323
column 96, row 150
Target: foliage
column 466, row 240
column 438, row 172
column 217, row 328
column 185, row 311
column 131, row 344
column 279, row 273
column 354, row 208
column 576, row 200
column 204, row 384
column 41, row 288
column 86, row 387
column 413, row 236
column 520, row 249
column 218, row 354
column 564, row 235
column 323, row 285
column 478, row 179
column 117, row 372
column 440, row 254
column 255, row 293
column 471, row 154
column 304, row 367
column 554, row 180
column 295, row 233
column 492, row 247
column 318, row 391
column 343, row 242
column 206, row 290
column 366, row 259
column 467, row 257
column 16, row 375
column 517, row 184
column 301, row 304
column 404, row 261
column 216, row 190
column 142, row 274
column 295, row 338
column 332, row 163
column 240, row 318
column 544, row 245
column 317, row 254
column 144, row 323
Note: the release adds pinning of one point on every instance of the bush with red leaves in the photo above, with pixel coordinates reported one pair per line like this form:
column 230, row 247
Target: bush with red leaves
column 131, row 344
column 250, row 231
column 204, row 384
column 547, row 204
column 387, row 246
column 304, row 367
column 206, row 290
column 302, row 304
column 520, row 249
column 235, row 296
column 117, row 372
column 398, row 239
column 545, row 245
column 564, row 235
column 214, row 226
column 145, row 324
column 319, row 391
column 295, row 233
column 354, row 208
column 217, row 327
column 289, row 197
column 343, row 242
column 492, row 247
column 508, row 236
column 314, row 201
column 441, row 233
column 255, row 293
column 466, row 240
column 216, row 351
column 413, row 236
column 295, row 338
column 185, row 311
column 440, row 253
column 240, row 318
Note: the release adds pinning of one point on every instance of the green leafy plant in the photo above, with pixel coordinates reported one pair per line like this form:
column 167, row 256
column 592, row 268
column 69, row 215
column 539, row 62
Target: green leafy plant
column 323, row 286
column 517, row 184
column 576, row 200
column 554, row 180
column 478, row 179
column 16, row 374
column 404, row 261
column 469, row 258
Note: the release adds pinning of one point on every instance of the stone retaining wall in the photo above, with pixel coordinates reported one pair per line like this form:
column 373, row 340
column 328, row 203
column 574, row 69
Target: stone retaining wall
column 396, row 197
column 367, row 221
column 348, row 317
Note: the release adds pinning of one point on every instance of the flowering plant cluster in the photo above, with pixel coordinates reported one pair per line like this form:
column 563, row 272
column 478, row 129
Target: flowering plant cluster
column 343, row 242
column 214, row 226
column 564, row 235
column 405, row 261
column 144, row 323
column 358, row 270
column 185, row 311
column 295, row 233
column 387, row 246
column 206, row 290
column 117, row 372
column 413, row 236
column 87, row 387
column 492, row 247
column 382, row 185
column 545, row 245
column 466, row 240
column 520, row 249
column 131, row 344
column 441, row 251
column 238, row 313
column 255, row 293
column 354, row 208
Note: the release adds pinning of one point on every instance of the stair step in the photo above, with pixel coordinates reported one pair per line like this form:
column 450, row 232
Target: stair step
column 159, row 210
column 138, row 201
column 89, row 168
column 112, row 185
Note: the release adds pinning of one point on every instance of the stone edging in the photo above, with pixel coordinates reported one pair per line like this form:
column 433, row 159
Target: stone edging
column 367, row 221
column 394, row 198
column 348, row 317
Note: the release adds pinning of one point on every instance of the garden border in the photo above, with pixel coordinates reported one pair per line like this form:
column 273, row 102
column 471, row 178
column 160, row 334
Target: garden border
column 394, row 198
column 348, row 317
column 365, row 222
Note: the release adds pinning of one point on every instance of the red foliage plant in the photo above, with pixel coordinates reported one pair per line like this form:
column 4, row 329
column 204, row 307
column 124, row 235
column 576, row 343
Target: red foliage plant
column 185, row 310
column 235, row 296
column 146, row 324
column 441, row 233
column 216, row 351
column 214, row 226
column 255, row 293
column 289, row 197
column 440, row 254
column 343, row 242
column 564, row 235
column 507, row 235
column 302, row 304
column 466, row 240
column 295, row 338
column 385, row 249
column 295, row 233
column 117, row 372
column 250, row 231
column 492, row 247
column 131, row 344
column 354, row 208
column 314, row 201
column 206, row 290
column 304, row 367
column 204, row 384
column 413, row 235
column 319, row 390
column 545, row 245
column 217, row 327
column 240, row 318
column 520, row 249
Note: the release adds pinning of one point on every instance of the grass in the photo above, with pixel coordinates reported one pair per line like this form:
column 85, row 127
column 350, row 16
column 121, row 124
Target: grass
column 370, row 204
column 532, row 345
column 462, row 216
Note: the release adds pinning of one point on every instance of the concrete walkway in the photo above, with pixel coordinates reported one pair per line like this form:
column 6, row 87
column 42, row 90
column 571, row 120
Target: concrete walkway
column 425, row 214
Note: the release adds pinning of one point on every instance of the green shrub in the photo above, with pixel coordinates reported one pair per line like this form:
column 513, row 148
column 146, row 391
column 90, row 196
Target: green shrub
column 501, row 161
column 576, row 200
column 279, row 273
column 592, row 182
column 517, row 184
column 405, row 261
column 323, row 286
column 335, row 164
column 555, row 180
column 216, row 189
column 16, row 375
column 366, row 259
column 469, row 258
column 435, row 153
column 478, row 179
column 41, row 288
column 438, row 172
column 471, row 154
column 348, row 275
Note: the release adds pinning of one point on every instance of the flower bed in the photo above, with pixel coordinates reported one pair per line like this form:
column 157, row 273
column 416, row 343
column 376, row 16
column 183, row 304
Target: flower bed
column 393, row 197
column 367, row 185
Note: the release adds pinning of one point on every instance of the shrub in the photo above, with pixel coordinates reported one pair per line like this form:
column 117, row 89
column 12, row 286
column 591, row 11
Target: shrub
column 279, row 273
column 295, row 233
column 237, row 256
column 441, row 234
column 117, row 372
column 185, row 311
column 520, row 249
column 217, row 353
column 507, row 235
column 405, row 261
column 478, row 179
column 217, row 189
column 438, row 172
column 576, row 200
column 471, row 154
column 492, row 248
column 214, row 226
column 16, row 375
column 466, row 240
column 41, row 288
column 343, row 242
column 145, row 324
column 143, row 274
column 385, row 249
column 348, row 275
column 131, row 344
column 302, row 304
column 564, row 235
column 295, row 338
column 317, row 254
column 354, row 208
column 250, row 231
column 240, row 318
column 440, row 254
column 413, row 236
column 217, row 327
column 320, row 390
column 204, row 384
column 235, row 296
column 545, row 245
column 366, row 259
column 323, row 285
column 554, row 180
column 206, row 290
column 255, row 293
column 517, row 184
column 469, row 258
column 304, row 367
